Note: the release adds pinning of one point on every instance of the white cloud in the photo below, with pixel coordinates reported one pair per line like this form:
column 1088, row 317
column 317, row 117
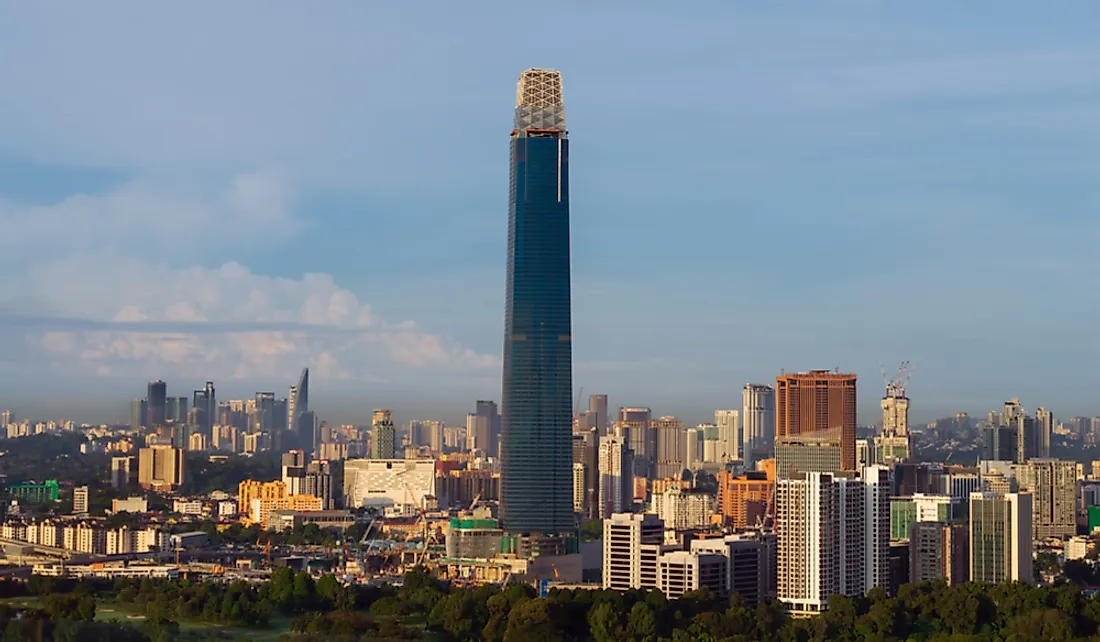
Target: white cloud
column 125, row 312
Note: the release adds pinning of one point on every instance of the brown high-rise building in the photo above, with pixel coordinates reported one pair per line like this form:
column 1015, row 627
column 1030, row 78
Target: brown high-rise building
column 816, row 401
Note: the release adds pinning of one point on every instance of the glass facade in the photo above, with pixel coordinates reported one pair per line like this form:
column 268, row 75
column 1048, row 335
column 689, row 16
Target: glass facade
column 536, row 430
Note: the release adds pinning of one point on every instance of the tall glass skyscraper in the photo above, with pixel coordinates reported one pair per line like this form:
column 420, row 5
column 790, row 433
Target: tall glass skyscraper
column 536, row 454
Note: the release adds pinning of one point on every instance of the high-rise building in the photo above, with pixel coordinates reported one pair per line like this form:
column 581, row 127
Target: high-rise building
column 632, row 543
column 730, row 440
column 758, row 419
column 294, row 471
column 175, row 409
column 586, row 489
column 124, row 470
column 999, row 443
column 297, row 405
column 435, row 435
column 939, row 551
column 1044, row 426
column 536, row 472
column 205, row 402
column 616, row 477
column 318, row 482
column 137, row 414
column 751, row 563
column 383, row 436
column 833, row 536
column 597, row 404
column 1053, row 487
column 683, row 508
column 157, row 403
column 1013, row 409
column 162, row 467
column 895, row 412
column 743, row 500
column 821, row 452
column 80, row 500
column 1000, row 538
column 817, row 401
column 671, row 444
column 634, row 426
column 483, row 429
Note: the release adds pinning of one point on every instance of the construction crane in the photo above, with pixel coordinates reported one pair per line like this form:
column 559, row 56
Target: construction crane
column 577, row 405
column 895, row 386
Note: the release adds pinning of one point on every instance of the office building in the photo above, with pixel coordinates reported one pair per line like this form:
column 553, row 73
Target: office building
column 939, row 551
column 744, row 500
column 318, row 482
column 299, row 418
column 832, row 536
column 919, row 508
column 294, row 471
column 758, row 419
column 751, row 563
column 1053, row 487
column 616, row 477
column 671, row 443
column 176, row 409
column 536, row 474
column 586, row 488
column 1000, row 538
column 597, row 406
column 999, row 443
column 137, row 414
column 820, row 452
column 1044, row 426
column 483, row 429
column 80, row 500
column 383, row 436
column 808, row 403
column 204, row 404
column 124, row 470
column 680, row 572
column 162, row 467
column 632, row 544
column 156, row 404
column 729, row 434
column 895, row 411
column 391, row 482
column 634, row 425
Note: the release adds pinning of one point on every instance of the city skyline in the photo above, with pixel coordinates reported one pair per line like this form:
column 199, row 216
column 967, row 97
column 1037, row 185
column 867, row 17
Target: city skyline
column 218, row 205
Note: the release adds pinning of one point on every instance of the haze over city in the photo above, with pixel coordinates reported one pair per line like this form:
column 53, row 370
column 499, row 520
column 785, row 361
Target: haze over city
column 753, row 190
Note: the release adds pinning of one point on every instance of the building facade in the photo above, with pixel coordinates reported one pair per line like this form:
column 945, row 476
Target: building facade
column 818, row 401
column 536, row 474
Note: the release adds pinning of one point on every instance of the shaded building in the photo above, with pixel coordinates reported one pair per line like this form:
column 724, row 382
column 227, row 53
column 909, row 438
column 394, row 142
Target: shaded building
column 939, row 551
column 597, row 406
column 818, row 401
column 1000, row 538
column 383, row 435
column 156, row 404
column 634, row 426
column 536, row 457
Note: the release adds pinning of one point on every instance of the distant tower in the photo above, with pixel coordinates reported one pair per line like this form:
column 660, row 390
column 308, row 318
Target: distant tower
column 895, row 405
column 157, row 404
column 536, row 486
column 758, row 420
column 729, row 434
column 598, row 404
column 383, row 436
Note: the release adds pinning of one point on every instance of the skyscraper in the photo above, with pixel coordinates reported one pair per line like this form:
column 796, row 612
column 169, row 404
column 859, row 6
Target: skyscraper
column 729, row 434
column 536, row 471
column 758, row 421
column 483, row 429
column 383, row 436
column 137, row 414
column 616, row 477
column 818, row 401
column 1000, row 537
column 598, row 404
column 634, row 426
column 297, row 405
column 206, row 404
column 156, row 404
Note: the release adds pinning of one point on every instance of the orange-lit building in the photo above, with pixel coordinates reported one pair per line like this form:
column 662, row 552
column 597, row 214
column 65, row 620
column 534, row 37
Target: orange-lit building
column 743, row 499
column 815, row 401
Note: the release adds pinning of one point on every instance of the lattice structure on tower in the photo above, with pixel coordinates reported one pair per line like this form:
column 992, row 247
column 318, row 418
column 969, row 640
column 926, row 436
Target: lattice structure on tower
column 539, row 104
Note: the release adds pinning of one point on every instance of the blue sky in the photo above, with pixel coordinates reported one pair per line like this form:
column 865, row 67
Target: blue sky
column 234, row 190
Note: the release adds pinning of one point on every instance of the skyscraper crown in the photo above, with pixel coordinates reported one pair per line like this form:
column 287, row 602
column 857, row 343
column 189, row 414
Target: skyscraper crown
column 539, row 103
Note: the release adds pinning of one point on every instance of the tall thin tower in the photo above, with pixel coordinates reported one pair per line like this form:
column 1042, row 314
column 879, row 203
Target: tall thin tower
column 536, row 455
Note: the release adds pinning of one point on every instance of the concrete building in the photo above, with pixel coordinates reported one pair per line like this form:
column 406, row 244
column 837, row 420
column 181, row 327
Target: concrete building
column 671, row 444
column 634, row 426
column 680, row 572
column 751, row 563
column 743, row 500
column 632, row 544
column 1000, row 537
column 473, row 538
column 683, row 509
column 586, row 488
column 939, row 551
column 80, row 500
column 832, row 537
column 820, row 452
column 616, row 477
column 389, row 482
column 124, row 471
column 383, row 436
column 758, row 419
column 130, row 505
column 812, row 402
column 318, row 482
column 730, row 435
column 161, row 467
column 597, row 406
column 1053, row 488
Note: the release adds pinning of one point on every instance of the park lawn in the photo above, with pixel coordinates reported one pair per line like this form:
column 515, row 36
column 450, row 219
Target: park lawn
column 111, row 610
column 29, row 601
